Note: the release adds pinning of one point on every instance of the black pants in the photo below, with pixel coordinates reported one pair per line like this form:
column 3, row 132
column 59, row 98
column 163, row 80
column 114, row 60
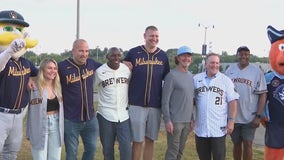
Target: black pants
column 208, row 146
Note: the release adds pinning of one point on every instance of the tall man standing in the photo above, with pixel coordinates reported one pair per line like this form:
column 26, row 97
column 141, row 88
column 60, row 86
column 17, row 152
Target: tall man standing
column 77, row 78
column 250, row 84
column 149, row 66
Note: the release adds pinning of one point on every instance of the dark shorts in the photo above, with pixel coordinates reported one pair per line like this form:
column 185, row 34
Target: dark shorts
column 243, row 132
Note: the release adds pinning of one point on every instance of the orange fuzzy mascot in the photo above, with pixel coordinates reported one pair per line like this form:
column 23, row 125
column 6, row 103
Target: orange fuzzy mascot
column 274, row 111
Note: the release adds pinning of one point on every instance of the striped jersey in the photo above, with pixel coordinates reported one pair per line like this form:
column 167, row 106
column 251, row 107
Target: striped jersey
column 77, row 89
column 149, row 70
column 13, row 83
column 212, row 96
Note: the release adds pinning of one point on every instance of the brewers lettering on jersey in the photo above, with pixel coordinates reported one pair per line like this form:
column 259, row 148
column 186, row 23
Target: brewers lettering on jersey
column 212, row 100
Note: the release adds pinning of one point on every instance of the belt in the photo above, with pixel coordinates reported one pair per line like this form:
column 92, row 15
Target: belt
column 11, row 111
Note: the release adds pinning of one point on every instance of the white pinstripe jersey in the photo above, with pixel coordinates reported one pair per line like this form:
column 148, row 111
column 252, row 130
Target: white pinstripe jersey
column 212, row 104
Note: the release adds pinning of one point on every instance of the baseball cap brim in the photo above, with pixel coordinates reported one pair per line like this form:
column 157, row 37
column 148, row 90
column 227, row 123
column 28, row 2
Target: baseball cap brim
column 15, row 21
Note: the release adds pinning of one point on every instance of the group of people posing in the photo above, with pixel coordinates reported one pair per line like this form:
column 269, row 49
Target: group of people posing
column 133, row 94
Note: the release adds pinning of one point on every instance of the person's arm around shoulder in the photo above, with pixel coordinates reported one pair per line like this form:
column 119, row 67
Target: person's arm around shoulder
column 34, row 72
column 128, row 64
column 127, row 60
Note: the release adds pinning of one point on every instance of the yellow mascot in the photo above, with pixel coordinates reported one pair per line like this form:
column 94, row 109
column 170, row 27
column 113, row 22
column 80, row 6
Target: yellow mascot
column 15, row 73
column 274, row 111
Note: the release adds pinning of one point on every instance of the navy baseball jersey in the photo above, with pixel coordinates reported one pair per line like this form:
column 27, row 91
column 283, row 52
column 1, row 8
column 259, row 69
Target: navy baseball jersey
column 13, row 83
column 77, row 89
column 149, row 70
column 275, row 110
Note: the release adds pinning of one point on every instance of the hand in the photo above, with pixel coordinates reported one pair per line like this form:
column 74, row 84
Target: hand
column 191, row 125
column 31, row 84
column 170, row 127
column 128, row 64
column 16, row 45
column 263, row 121
column 230, row 127
column 255, row 122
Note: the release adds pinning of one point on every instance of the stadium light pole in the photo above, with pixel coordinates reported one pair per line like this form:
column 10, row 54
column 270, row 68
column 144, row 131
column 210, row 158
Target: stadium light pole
column 97, row 52
column 78, row 20
column 204, row 45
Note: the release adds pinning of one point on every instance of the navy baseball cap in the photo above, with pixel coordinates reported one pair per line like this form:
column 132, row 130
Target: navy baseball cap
column 274, row 34
column 13, row 17
column 242, row 48
column 184, row 50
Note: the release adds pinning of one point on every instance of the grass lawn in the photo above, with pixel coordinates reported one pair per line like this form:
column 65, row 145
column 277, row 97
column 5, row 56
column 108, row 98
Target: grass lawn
column 160, row 148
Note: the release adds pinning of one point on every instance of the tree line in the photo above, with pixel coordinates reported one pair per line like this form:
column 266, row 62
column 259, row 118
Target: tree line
column 99, row 55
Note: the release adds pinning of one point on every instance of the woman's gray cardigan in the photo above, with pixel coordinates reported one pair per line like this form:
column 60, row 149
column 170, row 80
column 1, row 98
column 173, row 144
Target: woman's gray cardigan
column 37, row 119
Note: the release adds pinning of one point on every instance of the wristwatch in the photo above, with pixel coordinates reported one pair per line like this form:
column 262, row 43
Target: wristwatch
column 231, row 119
column 258, row 116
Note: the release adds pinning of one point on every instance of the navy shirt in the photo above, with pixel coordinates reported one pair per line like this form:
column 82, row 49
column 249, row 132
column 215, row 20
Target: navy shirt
column 13, row 83
column 77, row 89
column 149, row 70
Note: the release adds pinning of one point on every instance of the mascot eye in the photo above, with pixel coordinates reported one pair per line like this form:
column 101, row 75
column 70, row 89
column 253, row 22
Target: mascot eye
column 11, row 29
column 8, row 28
column 19, row 29
column 281, row 47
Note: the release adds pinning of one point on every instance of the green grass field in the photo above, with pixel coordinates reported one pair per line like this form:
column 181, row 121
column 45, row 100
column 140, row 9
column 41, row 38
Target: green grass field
column 160, row 148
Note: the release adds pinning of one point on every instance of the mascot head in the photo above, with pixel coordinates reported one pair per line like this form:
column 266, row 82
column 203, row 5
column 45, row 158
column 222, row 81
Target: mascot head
column 276, row 53
column 12, row 26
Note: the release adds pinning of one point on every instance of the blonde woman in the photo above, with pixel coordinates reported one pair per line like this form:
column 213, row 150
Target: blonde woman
column 45, row 123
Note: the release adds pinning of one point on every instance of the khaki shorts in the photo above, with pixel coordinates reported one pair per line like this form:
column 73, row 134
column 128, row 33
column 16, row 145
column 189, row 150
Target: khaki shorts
column 144, row 122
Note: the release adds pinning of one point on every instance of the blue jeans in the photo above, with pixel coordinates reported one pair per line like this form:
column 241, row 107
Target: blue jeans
column 89, row 132
column 52, row 147
column 109, row 131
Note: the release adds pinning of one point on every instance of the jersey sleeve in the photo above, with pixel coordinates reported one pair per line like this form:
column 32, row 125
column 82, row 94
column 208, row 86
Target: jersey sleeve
column 231, row 91
column 167, row 67
column 261, row 86
column 34, row 70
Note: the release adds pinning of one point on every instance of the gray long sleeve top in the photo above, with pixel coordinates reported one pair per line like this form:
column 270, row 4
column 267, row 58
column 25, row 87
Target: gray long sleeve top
column 177, row 97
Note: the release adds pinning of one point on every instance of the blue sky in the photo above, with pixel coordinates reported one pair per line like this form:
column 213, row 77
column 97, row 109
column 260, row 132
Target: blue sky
column 121, row 23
